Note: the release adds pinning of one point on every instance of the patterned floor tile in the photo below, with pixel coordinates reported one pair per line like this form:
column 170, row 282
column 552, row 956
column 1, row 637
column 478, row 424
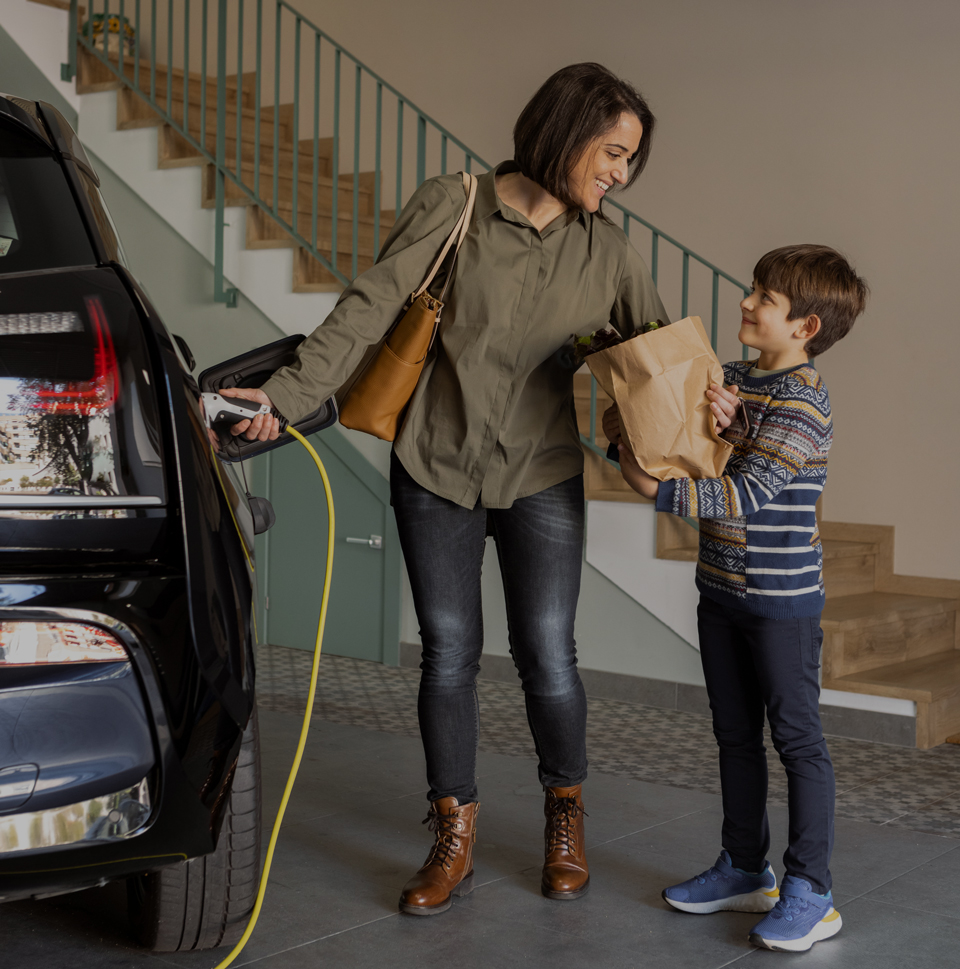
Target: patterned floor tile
column 916, row 789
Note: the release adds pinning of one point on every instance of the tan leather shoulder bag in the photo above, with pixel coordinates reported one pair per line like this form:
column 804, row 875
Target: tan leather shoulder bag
column 375, row 397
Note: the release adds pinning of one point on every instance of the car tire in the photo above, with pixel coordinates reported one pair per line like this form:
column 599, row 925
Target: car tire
column 206, row 902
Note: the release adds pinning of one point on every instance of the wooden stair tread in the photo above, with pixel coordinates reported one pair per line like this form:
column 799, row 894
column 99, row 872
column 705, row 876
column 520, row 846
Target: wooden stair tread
column 835, row 549
column 881, row 607
column 924, row 680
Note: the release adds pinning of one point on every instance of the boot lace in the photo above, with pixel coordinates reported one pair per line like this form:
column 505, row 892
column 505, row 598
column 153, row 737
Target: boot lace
column 447, row 828
column 561, row 822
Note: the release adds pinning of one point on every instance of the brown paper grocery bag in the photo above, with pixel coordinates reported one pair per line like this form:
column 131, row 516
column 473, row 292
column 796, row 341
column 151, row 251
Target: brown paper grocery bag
column 659, row 381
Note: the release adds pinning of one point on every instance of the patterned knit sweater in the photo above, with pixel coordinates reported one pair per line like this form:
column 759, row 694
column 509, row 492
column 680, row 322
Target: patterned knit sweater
column 759, row 542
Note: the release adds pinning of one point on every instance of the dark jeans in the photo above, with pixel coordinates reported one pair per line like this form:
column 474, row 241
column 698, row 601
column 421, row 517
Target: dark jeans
column 750, row 664
column 540, row 547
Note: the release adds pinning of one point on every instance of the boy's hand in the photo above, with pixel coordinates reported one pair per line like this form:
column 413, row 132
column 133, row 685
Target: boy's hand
column 611, row 424
column 724, row 403
column 635, row 476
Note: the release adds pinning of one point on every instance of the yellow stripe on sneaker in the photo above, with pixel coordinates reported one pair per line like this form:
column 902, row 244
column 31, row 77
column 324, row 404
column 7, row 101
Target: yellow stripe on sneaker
column 832, row 917
column 774, row 894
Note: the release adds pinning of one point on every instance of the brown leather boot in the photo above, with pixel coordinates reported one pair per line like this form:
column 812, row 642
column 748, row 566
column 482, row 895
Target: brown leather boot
column 565, row 872
column 448, row 870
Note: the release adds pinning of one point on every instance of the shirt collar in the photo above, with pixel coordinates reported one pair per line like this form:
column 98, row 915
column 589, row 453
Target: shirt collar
column 488, row 202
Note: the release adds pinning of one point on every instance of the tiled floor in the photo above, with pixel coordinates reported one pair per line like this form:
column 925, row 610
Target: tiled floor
column 916, row 789
column 353, row 836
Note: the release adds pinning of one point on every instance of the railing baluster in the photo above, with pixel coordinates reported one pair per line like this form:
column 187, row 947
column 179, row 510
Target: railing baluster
column 186, row 65
column 468, row 163
column 356, row 176
column 335, row 167
column 421, row 149
column 276, row 114
column 121, row 36
column 239, row 96
column 295, row 192
column 654, row 256
column 316, row 136
column 169, row 56
column 136, row 45
column 68, row 71
column 396, row 213
column 106, row 27
column 593, row 409
column 443, row 154
column 203, row 76
column 256, row 101
column 153, row 49
column 686, row 285
column 745, row 351
column 377, row 175
column 715, row 311
column 221, row 293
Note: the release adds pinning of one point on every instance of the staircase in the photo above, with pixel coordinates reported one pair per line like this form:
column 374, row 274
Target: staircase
column 195, row 99
column 885, row 635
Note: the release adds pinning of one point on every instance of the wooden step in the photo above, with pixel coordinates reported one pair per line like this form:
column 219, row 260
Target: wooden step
column 309, row 276
column 135, row 111
column 880, row 629
column 263, row 232
column 932, row 682
column 235, row 196
column 849, row 568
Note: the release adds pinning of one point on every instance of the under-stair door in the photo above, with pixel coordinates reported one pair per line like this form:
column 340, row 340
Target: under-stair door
column 363, row 615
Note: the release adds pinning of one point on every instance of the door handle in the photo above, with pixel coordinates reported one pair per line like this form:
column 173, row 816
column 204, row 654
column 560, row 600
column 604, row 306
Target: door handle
column 374, row 541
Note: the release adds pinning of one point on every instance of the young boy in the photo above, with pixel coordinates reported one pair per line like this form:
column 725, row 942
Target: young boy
column 760, row 576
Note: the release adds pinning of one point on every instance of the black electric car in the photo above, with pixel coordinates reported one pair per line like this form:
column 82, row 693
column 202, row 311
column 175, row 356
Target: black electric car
column 128, row 728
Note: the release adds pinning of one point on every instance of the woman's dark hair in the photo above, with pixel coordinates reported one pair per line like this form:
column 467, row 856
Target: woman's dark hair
column 573, row 109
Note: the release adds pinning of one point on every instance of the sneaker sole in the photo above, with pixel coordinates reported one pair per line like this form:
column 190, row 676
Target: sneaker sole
column 756, row 902
column 827, row 927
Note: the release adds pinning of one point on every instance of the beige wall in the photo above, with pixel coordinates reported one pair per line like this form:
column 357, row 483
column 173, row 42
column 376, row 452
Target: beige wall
column 828, row 121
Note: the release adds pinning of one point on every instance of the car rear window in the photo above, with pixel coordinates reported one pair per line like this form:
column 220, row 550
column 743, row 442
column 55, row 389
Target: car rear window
column 79, row 424
column 40, row 227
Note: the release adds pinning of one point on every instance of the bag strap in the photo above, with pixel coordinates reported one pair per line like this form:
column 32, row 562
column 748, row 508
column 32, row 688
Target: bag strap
column 456, row 237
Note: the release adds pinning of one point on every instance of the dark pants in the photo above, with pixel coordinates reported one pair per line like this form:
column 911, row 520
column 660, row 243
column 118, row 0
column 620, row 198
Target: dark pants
column 750, row 664
column 540, row 547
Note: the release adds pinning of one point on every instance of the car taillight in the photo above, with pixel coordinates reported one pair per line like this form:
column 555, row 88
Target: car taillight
column 30, row 643
column 88, row 396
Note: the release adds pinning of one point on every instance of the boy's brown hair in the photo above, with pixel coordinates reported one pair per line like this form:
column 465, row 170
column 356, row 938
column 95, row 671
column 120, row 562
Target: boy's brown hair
column 817, row 280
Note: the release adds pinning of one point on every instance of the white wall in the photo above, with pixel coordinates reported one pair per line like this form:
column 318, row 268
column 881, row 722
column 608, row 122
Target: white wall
column 799, row 121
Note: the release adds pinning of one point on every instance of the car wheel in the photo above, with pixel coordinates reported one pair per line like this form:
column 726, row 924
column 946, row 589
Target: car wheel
column 205, row 902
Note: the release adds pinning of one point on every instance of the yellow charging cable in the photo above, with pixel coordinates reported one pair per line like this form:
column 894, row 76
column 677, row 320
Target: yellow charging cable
column 305, row 729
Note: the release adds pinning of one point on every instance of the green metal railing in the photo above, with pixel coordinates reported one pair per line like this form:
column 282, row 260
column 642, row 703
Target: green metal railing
column 325, row 190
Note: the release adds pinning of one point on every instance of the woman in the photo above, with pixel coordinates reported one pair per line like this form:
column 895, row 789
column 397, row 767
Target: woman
column 489, row 444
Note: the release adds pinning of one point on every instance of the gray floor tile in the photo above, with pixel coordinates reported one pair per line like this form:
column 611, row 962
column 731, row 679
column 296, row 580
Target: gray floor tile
column 928, row 887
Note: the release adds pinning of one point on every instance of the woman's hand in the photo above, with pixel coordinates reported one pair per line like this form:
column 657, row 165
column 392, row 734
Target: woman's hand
column 635, row 476
column 264, row 427
column 724, row 403
column 611, row 424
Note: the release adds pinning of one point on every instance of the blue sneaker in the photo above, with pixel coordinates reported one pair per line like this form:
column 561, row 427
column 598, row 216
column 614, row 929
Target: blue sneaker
column 800, row 918
column 724, row 888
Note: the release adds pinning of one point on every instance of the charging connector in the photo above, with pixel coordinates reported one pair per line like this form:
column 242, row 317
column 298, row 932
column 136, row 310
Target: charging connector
column 230, row 410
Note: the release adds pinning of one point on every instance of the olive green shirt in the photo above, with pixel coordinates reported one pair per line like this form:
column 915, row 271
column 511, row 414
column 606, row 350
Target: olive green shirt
column 492, row 418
